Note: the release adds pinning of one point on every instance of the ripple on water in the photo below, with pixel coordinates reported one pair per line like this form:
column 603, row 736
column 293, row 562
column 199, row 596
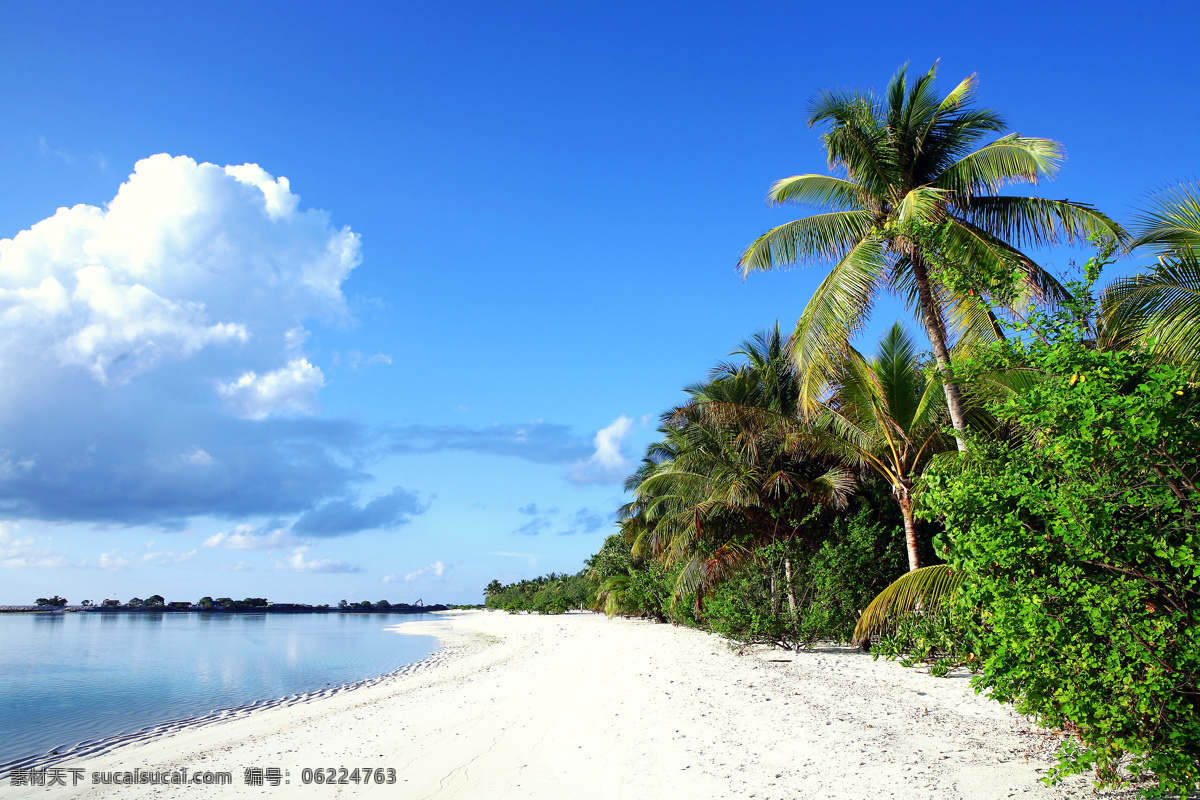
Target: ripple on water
column 65, row 678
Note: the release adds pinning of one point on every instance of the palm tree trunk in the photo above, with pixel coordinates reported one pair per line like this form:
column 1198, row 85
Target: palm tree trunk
column 910, row 532
column 932, row 318
column 791, row 590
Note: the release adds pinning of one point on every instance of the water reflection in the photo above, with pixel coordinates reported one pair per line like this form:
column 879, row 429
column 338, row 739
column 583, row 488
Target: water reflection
column 67, row 677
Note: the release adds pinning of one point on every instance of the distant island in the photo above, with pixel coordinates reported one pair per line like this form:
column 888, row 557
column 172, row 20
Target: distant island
column 258, row 605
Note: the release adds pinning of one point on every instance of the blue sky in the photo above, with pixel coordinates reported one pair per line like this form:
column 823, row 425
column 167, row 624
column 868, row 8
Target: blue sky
column 505, row 241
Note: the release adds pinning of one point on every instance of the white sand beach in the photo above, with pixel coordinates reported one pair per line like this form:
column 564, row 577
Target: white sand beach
column 579, row 706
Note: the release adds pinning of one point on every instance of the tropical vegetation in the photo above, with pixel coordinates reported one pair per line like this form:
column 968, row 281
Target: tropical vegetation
column 1020, row 500
column 913, row 206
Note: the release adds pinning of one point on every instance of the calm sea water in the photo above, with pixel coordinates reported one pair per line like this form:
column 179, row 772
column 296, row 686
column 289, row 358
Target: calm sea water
column 69, row 677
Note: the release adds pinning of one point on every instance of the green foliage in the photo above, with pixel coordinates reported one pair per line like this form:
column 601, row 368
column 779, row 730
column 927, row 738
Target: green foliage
column 548, row 594
column 858, row 556
column 634, row 587
column 942, row 637
column 731, row 462
column 56, row 601
column 921, row 590
column 917, row 183
column 1078, row 538
column 156, row 601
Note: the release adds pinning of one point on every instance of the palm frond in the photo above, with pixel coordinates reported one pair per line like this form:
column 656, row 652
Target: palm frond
column 1037, row 222
column 1159, row 309
column 836, row 311
column 1008, row 160
column 822, row 191
column 922, row 590
column 821, row 237
column 1170, row 223
column 923, row 203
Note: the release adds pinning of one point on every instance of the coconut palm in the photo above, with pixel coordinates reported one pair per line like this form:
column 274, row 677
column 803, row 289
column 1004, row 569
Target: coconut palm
column 718, row 484
column 914, row 207
column 887, row 415
column 1160, row 309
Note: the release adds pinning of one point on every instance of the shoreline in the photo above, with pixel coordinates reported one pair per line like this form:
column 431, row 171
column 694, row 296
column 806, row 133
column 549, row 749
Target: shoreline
column 579, row 706
column 104, row 745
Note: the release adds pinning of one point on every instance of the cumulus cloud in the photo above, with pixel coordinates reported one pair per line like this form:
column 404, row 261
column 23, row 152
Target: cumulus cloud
column 186, row 256
column 20, row 553
column 435, row 570
column 606, row 464
column 248, row 537
column 291, row 388
column 298, row 563
column 342, row 517
column 153, row 350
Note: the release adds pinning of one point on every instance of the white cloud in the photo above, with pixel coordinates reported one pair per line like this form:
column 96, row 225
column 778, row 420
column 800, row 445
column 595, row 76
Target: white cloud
column 197, row 457
column 437, row 569
column 607, row 464
column 144, row 339
column 167, row 556
column 111, row 561
column 389, row 579
column 186, row 257
column 297, row 563
column 22, row 553
column 357, row 359
column 291, row 388
column 247, row 537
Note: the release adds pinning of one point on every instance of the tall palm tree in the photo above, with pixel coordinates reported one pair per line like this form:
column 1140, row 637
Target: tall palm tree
column 914, row 206
column 886, row 415
column 1161, row 308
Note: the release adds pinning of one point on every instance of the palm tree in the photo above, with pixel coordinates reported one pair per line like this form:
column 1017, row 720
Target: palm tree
column 719, row 484
column 886, row 415
column 914, row 206
column 1161, row 308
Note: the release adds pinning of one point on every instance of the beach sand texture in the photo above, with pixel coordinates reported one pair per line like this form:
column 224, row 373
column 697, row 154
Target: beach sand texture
column 579, row 706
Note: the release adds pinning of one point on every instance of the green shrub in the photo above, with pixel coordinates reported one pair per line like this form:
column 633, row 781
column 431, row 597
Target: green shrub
column 942, row 639
column 1079, row 541
column 859, row 554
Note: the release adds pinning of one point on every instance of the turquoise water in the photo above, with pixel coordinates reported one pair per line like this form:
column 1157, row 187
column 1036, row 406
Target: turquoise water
column 69, row 677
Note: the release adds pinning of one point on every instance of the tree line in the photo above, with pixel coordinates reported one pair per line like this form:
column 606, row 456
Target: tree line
column 1020, row 498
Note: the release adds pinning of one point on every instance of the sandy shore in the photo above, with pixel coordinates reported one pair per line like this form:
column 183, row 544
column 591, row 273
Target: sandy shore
column 579, row 706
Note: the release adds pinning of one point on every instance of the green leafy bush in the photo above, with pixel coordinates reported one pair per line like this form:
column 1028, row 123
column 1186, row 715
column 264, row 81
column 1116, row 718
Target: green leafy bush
column 942, row 639
column 548, row 594
column 859, row 554
column 1079, row 540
